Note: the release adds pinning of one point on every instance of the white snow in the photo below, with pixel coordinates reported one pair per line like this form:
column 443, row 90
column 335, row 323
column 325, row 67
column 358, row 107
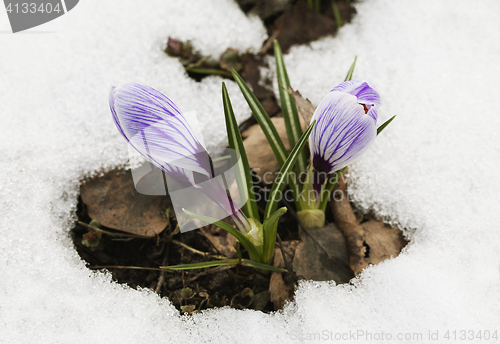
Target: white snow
column 433, row 170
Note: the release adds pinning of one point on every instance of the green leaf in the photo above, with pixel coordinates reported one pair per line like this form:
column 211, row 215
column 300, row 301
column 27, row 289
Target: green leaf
column 307, row 186
column 252, row 250
column 244, row 178
column 336, row 14
column 270, row 227
column 280, row 181
column 351, row 70
column 386, row 123
column 207, row 71
column 317, row 5
column 244, row 262
column 201, row 265
column 263, row 119
column 257, row 265
column 327, row 188
column 288, row 106
column 238, row 251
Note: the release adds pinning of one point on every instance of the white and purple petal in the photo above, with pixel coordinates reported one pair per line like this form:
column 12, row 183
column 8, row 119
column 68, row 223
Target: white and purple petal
column 364, row 92
column 343, row 132
column 156, row 128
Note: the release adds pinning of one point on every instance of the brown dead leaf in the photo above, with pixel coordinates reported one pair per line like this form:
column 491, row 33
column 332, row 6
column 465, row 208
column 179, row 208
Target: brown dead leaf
column 304, row 106
column 222, row 240
column 280, row 289
column 383, row 240
column 368, row 243
column 345, row 219
column 260, row 154
column 113, row 201
column 322, row 255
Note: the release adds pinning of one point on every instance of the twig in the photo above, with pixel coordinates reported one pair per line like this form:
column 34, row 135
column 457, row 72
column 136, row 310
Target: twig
column 288, row 267
column 103, row 231
column 161, row 279
column 204, row 254
column 210, row 271
column 269, row 42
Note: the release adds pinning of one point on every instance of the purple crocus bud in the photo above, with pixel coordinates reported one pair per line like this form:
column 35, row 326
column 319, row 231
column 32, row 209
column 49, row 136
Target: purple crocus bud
column 346, row 125
column 156, row 128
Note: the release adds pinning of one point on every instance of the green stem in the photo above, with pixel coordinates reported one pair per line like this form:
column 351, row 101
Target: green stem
column 328, row 190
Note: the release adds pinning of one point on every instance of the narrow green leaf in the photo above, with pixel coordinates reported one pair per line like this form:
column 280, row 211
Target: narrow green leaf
column 351, row 70
column 288, row 107
column 327, row 190
column 263, row 119
column 386, row 123
column 244, row 262
column 317, row 5
column 238, row 251
column 270, row 227
column 201, row 265
column 304, row 201
column 336, row 14
column 252, row 250
column 267, row 127
column 280, row 181
column 244, row 178
column 257, row 265
column 207, row 71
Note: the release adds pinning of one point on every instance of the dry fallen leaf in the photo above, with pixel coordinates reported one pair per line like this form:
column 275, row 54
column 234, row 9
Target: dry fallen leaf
column 304, row 106
column 322, row 255
column 260, row 154
column 346, row 220
column 368, row 243
column 222, row 240
column 113, row 201
column 383, row 240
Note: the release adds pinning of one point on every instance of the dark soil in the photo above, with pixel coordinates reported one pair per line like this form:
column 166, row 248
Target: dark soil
column 189, row 290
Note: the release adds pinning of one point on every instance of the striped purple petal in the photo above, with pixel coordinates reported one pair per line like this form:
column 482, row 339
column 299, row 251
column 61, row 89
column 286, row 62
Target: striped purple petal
column 365, row 93
column 343, row 132
column 156, row 128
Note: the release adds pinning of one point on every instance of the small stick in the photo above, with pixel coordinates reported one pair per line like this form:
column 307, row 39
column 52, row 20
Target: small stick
column 288, row 267
column 161, row 279
column 103, row 231
column 210, row 271
column 204, row 254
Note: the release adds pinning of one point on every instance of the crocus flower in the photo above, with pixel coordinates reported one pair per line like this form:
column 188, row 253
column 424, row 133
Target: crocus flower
column 346, row 125
column 156, row 128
